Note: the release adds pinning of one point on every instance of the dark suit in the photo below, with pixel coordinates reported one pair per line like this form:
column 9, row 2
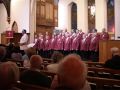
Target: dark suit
column 36, row 78
column 113, row 63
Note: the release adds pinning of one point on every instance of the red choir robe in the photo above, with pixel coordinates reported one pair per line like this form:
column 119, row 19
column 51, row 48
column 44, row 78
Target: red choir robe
column 94, row 44
column 37, row 44
column 80, row 37
column 83, row 46
column 52, row 44
column 104, row 36
column 42, row 44
column 67, row 44
column 75, row 44
column 46, row 44
column 59, row 43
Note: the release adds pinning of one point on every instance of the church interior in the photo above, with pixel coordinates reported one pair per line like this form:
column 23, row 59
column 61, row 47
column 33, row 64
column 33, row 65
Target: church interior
column 59, row 45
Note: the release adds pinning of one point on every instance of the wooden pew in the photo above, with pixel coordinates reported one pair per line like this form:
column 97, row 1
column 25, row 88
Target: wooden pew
column 47, row 60
column 101, row 83
column 103, row 72
column 25, row 86
column 18, row 62
column 94, row 64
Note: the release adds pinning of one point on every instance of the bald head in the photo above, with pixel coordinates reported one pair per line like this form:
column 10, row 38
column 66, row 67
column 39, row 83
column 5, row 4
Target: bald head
column 36, row 61
column 72, row 72
column 115, row 51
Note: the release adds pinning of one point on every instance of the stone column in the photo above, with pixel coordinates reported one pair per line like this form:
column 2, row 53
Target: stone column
column 32, row 19
column 82, row 15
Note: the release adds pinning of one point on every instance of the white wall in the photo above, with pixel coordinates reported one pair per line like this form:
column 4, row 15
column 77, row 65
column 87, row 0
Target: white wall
column 3, row 19
column 20, row 13
column 64, row 14
column 101, row 14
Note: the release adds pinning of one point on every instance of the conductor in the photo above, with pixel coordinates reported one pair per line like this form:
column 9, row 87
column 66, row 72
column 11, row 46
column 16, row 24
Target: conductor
column 23, row 41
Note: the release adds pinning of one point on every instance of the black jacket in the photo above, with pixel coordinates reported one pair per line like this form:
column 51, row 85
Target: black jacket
column 113, row 63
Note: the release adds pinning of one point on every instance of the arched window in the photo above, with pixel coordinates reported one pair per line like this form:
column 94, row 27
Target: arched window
column 74, row 16
column 110, row 16
column 91, row 15
column 14, row 27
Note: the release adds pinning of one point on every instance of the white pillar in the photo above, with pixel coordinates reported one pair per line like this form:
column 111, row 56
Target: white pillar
column 69, row 18
column 117, row 19
column 101, row 14
column 32, row 22
column 62, row 15
column 82, row 15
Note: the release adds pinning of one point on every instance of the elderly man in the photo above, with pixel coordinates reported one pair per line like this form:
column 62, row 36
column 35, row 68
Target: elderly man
column 114, row 62
column 34, row 76
column 71, row 74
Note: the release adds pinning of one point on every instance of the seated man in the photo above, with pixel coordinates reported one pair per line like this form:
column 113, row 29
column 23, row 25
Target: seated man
column 114, row 62
column 34, row 76
column 72, row 74
column 9, row 75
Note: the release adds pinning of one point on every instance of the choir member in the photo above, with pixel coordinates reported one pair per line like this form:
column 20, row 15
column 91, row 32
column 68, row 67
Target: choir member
column 67, row 44
column 83, row 46
column 94, row 45
column 35, row 38
column 46, row 44
column 104, row 35
column 52, row 44
column 75, row 44
column 80, row 36
column 59, row 43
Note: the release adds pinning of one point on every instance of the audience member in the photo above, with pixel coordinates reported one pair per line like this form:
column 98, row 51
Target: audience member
column 71, row 74
column 2, row 54
column 9, row 75
column 57, row 56
column 114, row 62
column 16, row 54
column 28, row 53
column 9, row 49
column 33, row 75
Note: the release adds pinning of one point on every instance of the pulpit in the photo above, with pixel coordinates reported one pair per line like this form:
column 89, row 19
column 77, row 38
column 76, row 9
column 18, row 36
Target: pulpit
column 15, row 39
column 105, row 47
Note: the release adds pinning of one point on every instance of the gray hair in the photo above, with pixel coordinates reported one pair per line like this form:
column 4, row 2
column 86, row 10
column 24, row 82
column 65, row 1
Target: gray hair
column 72, row 72
column 115, row 51
column 9, row 74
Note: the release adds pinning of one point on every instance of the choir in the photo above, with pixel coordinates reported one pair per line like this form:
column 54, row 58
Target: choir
column 84, row 44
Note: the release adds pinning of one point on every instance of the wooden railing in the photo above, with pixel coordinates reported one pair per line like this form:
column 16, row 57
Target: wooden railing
column 24, row 86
